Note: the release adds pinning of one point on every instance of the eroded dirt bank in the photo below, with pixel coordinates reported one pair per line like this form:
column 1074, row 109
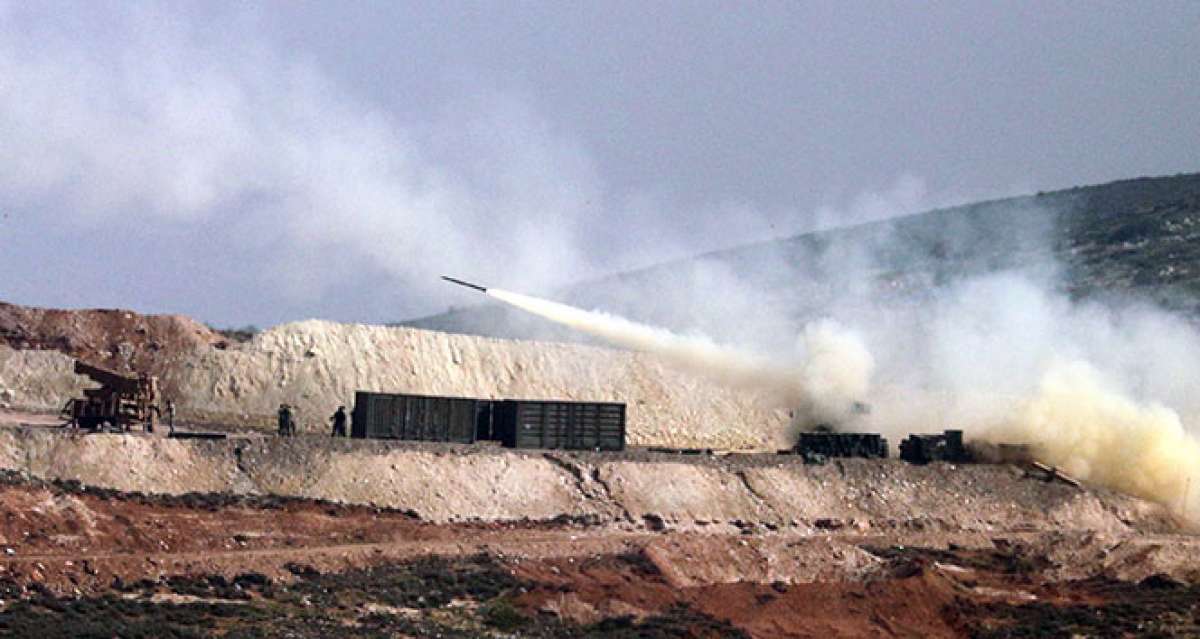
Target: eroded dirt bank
column 114, row 338
column 444, row 483
column 312, row 537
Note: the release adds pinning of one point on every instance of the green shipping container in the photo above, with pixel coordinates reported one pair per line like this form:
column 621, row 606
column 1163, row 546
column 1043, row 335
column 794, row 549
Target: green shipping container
column 560, row 425
column 420, row 418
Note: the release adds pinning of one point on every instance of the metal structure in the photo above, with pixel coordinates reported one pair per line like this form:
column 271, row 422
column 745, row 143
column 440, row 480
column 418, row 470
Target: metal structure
column 514, row 423
column 420, row 418
column 560, row 425
column 452, row 280
column 1054, row 474
column 922, row 449
column 119, row 403
column 822, row 445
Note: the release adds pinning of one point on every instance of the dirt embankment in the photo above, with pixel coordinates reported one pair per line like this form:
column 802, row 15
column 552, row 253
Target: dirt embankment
column 637, row 490
column 317, row 366
column 37, row 380
column 121, row 340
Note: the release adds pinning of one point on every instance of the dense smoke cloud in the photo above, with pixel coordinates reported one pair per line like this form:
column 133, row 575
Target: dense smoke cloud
column 1104, row 391
column 1092, row 430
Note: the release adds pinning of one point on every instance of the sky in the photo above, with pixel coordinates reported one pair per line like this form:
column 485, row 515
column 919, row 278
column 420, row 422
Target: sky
column 261, row 163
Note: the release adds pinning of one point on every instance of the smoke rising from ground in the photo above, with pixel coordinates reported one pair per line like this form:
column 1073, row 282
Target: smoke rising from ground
column 1078, row 422
column 1103, row 390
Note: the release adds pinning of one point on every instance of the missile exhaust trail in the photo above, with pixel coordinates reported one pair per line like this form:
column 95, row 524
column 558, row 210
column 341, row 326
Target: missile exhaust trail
column 481, row 289
column 836, row 373
column 693, row 352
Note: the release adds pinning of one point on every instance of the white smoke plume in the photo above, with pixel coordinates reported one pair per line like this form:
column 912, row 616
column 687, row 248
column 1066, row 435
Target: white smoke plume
column 833, row 373
column 836, row 369
column 140, row 118
column 1104, row 392
column 153, row 122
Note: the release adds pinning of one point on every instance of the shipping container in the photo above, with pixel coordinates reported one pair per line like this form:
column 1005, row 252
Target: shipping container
column 420, row 418
column 561, row 425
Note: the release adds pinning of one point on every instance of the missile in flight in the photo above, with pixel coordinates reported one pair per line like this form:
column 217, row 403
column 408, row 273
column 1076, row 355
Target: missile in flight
column 481, row 289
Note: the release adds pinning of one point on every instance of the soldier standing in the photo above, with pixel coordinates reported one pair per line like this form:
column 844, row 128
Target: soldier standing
column 171, row 415
column 287, row 423
column 339, row 422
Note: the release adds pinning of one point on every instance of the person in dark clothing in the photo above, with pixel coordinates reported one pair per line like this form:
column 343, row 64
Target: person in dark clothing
column 171, row 414
column 339, row 422
column 287, row 422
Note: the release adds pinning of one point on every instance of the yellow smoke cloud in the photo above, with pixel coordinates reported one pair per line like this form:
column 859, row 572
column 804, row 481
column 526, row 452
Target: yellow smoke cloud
column 1079, row 423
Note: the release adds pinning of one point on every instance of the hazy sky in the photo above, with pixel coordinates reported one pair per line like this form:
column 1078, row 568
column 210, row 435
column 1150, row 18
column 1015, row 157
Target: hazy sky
column 292, row 160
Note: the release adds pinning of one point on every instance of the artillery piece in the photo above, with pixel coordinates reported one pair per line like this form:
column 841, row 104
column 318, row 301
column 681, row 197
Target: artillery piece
column 120, row 402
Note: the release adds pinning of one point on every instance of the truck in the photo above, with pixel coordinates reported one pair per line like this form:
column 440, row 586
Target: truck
column 121, row 402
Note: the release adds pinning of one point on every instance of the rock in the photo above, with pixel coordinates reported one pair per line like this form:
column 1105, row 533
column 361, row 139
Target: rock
column 826, row 523
column 570, row 607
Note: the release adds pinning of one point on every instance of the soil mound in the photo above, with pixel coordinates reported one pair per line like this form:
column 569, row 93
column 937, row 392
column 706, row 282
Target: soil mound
column 117, row 339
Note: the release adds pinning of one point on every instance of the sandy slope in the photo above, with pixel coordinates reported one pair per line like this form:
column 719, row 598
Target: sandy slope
column 456, row 483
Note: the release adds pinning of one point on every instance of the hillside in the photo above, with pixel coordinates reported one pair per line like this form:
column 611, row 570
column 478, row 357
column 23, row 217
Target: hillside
column 118, row 339
column 1128, row 239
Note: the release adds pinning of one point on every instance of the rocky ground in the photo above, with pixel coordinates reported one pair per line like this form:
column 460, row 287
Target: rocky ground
column 85, row 561
column 140, row 535
column 455, row 483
